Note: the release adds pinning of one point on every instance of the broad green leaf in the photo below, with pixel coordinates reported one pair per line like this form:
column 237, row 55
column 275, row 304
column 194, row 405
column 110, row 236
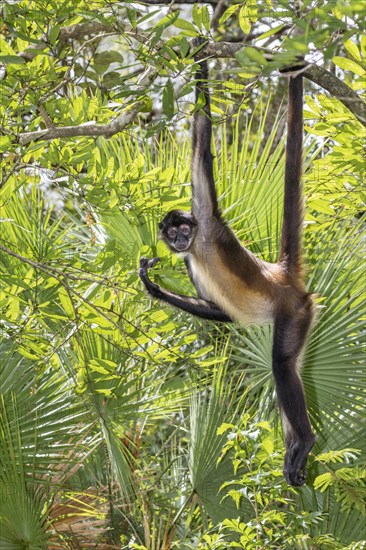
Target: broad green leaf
column 270, row 32
column 5, row 143
column 206, row 18
column 132, row 16
column 12, row 59
column 185, row 25
column 363, row 45
column 313, row 105
column 168, row 99
column 352, row 48
column 228, row 13
column 53, row 34
column 166, row 21
column 66, row 302
column 5, row 47
column 201, row 16
column 349, row 65
column 197, row 15
column 244, row 20
column 97, row 368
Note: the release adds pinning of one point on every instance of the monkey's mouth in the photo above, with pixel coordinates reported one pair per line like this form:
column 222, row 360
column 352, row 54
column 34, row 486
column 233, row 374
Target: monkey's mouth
column 181, row 247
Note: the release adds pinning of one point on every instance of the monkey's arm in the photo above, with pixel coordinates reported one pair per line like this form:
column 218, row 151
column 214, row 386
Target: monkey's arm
column 204, row 199
column 195, row 306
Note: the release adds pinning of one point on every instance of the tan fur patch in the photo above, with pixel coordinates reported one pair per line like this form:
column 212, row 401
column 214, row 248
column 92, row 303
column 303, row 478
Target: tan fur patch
column 224, row 290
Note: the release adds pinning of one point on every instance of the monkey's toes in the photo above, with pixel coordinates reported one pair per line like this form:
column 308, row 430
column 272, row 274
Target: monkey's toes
column 296, row 478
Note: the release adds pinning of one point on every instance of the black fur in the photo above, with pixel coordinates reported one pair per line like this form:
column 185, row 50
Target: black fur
column 196, row 306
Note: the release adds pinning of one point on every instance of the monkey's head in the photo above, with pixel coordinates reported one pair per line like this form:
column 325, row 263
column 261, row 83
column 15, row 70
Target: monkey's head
column 178, row 230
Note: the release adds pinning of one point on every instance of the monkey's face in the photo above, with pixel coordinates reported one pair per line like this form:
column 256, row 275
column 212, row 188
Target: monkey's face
column 178, row 230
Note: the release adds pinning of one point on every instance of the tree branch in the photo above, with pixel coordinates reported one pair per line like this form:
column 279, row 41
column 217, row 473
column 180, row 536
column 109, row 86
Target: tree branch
column 93, row 129
column 327, row 80
column 74, row 32
column 338, row 89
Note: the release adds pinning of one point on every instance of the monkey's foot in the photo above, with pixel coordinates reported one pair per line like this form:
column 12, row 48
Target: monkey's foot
column 295, row 462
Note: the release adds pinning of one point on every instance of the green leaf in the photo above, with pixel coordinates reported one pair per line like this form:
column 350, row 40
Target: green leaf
column 131, row 12
column 197, row 15
column 228, row 13
column 270, row 32
column 349, row 65
column 97, row 368
column 66, row 302
column 224, row 428
column 165, row 22
column 251, row 58
column 363, row 44
column 168, row 99
column 5, row 143
column 352, row 49
column 53, row 34
column 244, row 20
column 184, row 46
column 12, row 59
column 201, row 16
column 206, row 20
column 185, row 25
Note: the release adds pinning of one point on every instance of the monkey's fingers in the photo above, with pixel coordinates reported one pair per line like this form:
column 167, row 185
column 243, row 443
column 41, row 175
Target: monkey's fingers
column 145, row 263
column 152, row 262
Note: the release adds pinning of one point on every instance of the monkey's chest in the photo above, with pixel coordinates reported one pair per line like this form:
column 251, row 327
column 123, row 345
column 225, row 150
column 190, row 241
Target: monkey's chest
column 230, row 293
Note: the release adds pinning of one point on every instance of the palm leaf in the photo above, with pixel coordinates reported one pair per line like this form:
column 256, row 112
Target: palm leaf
column 210, row 408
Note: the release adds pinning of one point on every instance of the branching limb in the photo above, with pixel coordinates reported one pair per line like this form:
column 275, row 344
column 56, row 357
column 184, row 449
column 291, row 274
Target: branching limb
column 338, row 89
column 75, row 32
column 327, row 80
column 94, row 129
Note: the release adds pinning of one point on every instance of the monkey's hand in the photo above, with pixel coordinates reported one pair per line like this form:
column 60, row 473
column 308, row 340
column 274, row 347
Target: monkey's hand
column 145, row 265
column 195, row 306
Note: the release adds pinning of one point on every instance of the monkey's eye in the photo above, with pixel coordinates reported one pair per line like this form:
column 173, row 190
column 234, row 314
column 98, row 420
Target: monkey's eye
column 185, row 229
column 172, row 232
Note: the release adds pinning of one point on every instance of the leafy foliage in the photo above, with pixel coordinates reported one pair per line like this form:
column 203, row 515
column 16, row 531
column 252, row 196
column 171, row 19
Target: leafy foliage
column 124, row 423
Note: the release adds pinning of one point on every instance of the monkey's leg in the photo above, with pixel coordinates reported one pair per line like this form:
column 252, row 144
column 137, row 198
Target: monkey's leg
column 289, row 338
column 195, row 306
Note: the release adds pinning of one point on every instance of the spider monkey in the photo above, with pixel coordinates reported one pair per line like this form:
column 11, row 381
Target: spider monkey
column 232, row 283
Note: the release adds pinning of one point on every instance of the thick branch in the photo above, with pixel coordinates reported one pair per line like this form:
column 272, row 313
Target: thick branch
column 338, row 89
column 80, row 30
column 327, row 80
column 314, row 73
column 90, row 129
